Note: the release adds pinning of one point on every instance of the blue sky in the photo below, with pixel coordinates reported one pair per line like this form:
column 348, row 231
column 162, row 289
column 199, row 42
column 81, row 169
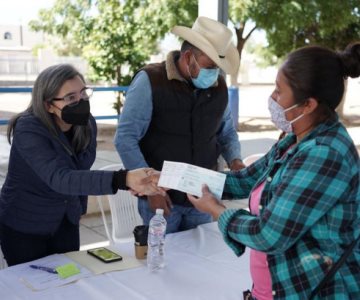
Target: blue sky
column 18, row 12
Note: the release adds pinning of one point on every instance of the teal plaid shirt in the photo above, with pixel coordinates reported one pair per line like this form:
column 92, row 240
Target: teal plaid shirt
column 309, row 213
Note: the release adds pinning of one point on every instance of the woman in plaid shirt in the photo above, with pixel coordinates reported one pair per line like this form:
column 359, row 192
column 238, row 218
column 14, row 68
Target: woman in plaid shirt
column 304, row 193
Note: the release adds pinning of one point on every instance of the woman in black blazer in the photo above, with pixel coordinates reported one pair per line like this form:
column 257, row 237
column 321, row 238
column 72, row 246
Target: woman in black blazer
column 53, row 146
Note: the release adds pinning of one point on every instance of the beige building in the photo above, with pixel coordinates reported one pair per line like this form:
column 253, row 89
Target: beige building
column 19, row 36
column 17, row 62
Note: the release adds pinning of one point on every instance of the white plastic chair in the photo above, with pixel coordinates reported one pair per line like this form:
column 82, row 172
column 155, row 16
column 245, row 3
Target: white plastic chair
column 252, row 158
column 124, row 212
column 3, row 263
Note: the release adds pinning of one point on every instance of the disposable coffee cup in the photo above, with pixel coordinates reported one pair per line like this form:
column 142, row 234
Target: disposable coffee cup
column 141, row 235
column 141, row 251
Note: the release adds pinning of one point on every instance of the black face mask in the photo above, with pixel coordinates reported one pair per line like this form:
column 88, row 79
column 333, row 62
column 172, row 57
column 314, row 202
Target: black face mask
column 77, row 114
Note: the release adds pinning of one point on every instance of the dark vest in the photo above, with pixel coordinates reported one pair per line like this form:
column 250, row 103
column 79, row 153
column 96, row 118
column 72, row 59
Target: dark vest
column 184, row 123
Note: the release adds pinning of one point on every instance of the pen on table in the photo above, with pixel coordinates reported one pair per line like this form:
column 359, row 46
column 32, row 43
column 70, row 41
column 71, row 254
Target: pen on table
column 43, row 268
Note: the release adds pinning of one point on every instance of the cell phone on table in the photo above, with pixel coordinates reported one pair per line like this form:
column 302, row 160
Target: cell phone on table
column 105, row 254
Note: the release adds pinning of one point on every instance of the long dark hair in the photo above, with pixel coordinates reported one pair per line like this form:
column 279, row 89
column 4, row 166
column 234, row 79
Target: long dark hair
column 46, row 87
column 319, row 72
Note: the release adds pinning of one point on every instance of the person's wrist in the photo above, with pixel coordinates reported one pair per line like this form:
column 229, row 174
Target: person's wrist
column 119, row 180
column 129, row 180
column 217, row 211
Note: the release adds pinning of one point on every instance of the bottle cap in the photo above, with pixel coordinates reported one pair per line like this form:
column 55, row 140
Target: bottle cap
column 159, row 211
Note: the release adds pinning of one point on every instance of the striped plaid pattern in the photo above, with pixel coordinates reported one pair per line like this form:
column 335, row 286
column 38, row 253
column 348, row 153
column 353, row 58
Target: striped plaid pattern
column 310, row 212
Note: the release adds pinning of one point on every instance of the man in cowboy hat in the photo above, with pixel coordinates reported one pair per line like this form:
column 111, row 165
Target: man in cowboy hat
column 177, row 110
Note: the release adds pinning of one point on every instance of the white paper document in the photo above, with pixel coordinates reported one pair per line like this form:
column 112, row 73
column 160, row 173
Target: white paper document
column 189, row 179
column 41, row 280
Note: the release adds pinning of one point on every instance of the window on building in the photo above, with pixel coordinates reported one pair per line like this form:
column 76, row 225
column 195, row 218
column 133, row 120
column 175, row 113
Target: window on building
column 7, row 36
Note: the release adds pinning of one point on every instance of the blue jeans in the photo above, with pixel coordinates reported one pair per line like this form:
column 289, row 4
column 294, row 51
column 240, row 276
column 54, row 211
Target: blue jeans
column 181, row 217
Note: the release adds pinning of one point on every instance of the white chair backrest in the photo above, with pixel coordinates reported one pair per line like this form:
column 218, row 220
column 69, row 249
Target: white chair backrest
column 252, row 158
column 3, row 263
column 124, row 212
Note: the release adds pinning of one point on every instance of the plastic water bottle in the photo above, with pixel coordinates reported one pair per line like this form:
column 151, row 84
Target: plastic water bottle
column 156, row 241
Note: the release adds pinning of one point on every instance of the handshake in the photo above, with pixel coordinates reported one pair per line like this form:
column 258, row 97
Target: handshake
column 144, row 181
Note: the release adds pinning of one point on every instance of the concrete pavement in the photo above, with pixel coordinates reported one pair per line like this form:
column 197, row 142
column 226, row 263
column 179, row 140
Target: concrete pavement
column 256, row 135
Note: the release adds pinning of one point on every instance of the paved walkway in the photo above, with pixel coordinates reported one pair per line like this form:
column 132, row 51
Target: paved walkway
column 256, row 134
column 92, row 230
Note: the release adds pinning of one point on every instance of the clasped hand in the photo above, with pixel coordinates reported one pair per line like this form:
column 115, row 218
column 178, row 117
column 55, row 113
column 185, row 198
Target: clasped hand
column 147, row 185
column 144, row 181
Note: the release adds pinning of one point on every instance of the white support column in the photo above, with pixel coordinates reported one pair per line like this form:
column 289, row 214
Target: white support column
column 217, row 10
column 214, row 9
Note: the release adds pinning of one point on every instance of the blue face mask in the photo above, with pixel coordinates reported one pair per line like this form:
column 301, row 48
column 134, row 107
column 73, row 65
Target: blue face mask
column 206, row 77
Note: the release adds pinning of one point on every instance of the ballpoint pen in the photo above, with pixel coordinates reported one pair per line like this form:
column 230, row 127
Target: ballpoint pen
column 43, row 268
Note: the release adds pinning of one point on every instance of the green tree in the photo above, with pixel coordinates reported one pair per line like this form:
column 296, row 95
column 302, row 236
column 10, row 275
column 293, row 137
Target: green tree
column 239, row 16
column 117, row 44
column 66, row 23
column 116, row 37
column 293, row 24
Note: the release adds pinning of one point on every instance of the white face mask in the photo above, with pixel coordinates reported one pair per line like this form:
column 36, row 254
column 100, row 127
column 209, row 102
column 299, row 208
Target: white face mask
column 277, row 113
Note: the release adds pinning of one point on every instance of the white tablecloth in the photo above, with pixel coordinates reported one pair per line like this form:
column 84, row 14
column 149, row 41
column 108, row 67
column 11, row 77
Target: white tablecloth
column 199, row 265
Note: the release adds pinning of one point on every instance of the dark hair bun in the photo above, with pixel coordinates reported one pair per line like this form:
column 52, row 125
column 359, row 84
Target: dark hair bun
column 351, row 60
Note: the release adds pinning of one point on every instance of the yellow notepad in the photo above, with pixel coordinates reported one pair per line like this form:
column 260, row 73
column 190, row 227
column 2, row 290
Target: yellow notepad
column 67, row 270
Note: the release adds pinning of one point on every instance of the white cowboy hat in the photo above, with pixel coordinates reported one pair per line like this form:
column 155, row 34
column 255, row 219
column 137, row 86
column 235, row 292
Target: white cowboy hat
column 214, row 39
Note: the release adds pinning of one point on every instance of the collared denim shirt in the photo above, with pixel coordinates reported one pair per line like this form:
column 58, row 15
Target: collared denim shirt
column 135, row 120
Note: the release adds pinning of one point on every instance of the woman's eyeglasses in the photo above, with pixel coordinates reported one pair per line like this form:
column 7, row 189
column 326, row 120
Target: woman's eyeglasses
column 74, row 98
